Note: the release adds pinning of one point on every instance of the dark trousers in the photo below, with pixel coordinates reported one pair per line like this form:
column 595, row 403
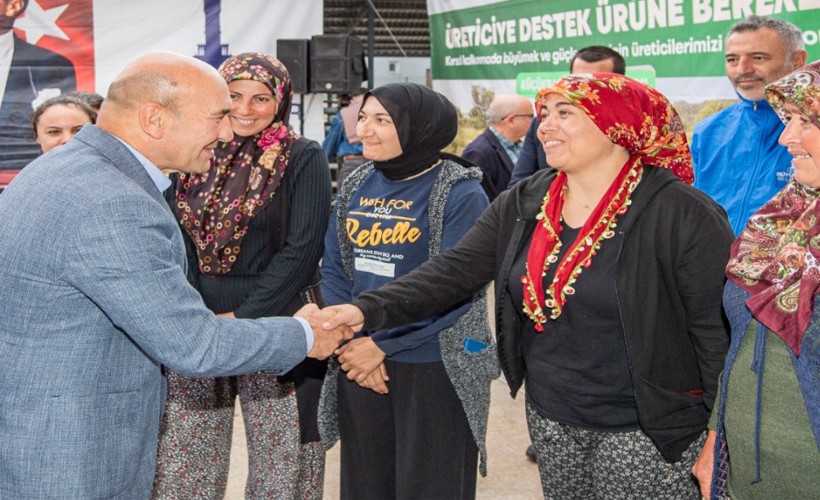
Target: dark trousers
column 412, row 443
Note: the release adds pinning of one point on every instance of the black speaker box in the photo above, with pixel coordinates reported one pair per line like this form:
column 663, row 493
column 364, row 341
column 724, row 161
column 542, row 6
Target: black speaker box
column 295, row 55
column 336, row 63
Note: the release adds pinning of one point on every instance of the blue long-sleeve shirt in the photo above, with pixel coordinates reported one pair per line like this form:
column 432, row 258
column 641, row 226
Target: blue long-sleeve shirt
column 532, row 158
column 336, row 144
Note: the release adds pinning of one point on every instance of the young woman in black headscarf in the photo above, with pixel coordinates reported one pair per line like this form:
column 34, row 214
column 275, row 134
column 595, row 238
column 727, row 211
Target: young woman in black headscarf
column 411, row 403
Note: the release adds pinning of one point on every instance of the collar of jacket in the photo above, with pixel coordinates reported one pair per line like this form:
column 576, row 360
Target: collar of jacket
column 531, row 191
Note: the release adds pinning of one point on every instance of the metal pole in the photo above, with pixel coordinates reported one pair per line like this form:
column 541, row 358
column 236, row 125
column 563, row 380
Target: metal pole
column 371, row 44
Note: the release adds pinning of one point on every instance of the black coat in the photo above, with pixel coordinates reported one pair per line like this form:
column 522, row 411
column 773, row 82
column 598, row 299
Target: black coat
column 674, row 246
column 33, row 69
column 488, row 154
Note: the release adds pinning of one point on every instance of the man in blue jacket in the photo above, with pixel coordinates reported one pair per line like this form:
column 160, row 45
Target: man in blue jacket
column 735, row 153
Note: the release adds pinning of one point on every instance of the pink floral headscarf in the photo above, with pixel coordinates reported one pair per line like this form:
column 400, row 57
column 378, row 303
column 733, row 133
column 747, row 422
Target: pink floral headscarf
column 216, row 208
column 777, row 256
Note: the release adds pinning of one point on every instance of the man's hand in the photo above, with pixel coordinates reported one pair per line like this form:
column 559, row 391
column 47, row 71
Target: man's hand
column 359, row 357
column 325, row 340
column 344, row 314
column 704, row 465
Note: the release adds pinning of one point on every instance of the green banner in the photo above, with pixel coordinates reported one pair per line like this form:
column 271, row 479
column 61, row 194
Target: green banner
column 527, row 40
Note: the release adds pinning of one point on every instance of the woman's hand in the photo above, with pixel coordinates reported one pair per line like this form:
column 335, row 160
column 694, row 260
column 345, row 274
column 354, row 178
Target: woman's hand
column 359, row 357
column 226, row 315
column 376, row 380
column 704, row 465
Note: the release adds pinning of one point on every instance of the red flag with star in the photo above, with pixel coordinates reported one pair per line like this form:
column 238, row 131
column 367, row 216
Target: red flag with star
column 65, row 27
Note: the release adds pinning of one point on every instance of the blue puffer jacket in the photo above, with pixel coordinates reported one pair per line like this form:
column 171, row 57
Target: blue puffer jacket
column 737, row 159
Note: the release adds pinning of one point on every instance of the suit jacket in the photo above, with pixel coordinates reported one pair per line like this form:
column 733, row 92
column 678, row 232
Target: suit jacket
column 532, row 157
column 489, row 155
column 33, row 69
column 94, row 301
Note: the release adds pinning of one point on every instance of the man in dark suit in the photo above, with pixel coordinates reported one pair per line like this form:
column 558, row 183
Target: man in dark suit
column 95, row 299
column 496, row 150
column 27, row 74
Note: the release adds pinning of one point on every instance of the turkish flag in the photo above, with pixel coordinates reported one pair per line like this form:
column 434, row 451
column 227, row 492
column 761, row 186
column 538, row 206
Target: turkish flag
column 65, row 27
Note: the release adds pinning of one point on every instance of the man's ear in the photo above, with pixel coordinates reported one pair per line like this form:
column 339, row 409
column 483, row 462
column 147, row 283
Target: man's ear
column 799, row 58
column 154, row 119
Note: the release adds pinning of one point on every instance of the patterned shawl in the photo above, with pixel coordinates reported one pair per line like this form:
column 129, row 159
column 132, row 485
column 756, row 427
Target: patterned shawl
column 777, row 256
column 216, row 208
column 639, row 119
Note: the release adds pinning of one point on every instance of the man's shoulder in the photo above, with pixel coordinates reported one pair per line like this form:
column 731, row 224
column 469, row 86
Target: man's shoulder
column 482, row 143
column 93, row 162
column 720, row 119
column 27, row 54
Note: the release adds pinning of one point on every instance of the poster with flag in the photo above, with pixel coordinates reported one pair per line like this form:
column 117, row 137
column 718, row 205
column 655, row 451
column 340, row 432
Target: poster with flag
column 56, row 46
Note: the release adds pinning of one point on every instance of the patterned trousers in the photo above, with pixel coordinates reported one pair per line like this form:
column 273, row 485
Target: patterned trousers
column 195, row 440
column 581, row 463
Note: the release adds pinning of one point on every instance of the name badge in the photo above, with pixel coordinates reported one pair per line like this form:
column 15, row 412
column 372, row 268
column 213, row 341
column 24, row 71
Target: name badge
column 375, row 267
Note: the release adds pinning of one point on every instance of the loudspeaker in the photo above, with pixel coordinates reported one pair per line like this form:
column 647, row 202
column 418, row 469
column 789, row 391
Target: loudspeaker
column 295, row 55
column 336, row 63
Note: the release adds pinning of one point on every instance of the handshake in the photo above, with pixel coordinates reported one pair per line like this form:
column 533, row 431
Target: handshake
column 331, row 326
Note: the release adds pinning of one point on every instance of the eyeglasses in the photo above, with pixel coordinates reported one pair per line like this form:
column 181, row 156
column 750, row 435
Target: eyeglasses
column 525, row 116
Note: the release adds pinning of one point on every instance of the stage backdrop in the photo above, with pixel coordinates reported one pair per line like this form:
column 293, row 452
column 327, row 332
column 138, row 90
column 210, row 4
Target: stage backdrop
column 523, row 45
column 99, row 37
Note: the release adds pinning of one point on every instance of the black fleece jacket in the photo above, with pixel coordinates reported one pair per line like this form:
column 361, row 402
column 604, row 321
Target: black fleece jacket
column 674, row 245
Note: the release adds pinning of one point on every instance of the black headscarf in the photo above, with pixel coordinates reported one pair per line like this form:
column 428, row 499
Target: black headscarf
column 425, row 121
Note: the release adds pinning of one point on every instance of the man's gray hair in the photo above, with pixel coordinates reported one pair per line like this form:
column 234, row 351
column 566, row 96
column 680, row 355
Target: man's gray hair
column 788, row 32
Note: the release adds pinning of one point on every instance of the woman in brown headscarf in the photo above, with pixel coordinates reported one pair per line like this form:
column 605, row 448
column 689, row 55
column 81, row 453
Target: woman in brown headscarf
column 254, row 225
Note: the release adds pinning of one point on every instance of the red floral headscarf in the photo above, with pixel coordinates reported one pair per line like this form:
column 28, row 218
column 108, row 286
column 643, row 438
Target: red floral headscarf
column 777, row 256
column 216, row 208
column 639, row 119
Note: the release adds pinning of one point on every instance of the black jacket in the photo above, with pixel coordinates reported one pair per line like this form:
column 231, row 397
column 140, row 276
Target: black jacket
column 33, row 70
column 674, row 246
column 489, row 155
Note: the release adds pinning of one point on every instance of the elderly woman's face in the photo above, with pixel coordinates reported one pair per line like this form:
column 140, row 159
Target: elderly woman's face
column 570, row 138
column 802, row 138
column 380, row 139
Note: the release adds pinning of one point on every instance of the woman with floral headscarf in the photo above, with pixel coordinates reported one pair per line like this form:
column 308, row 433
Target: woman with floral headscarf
column 608, row 275
column 254, row 225
column 765, row 441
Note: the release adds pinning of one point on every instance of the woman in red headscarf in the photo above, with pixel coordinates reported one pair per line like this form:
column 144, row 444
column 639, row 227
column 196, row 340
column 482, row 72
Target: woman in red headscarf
column 254, row 227
column 608, row 273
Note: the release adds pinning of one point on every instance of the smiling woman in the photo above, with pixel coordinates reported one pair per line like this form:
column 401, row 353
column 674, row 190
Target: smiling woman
column 769, row 416
column 403, row 395
column 608, row 274
column 254, row 224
